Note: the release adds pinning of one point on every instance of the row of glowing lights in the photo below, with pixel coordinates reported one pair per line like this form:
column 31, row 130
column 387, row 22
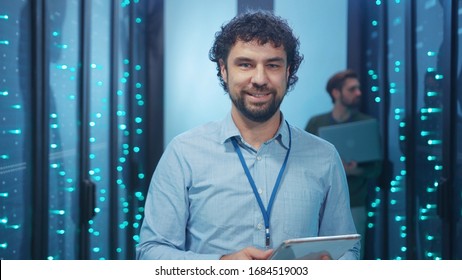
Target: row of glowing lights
column 424, row 212
column 122, row 127
column 424, row 215
column 97, row 210
column 138, row 120
column 395, row 183
column 94, row 173
column 139, row 195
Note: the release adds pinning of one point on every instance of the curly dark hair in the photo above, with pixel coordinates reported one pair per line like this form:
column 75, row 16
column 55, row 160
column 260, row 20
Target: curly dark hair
column 264, row 27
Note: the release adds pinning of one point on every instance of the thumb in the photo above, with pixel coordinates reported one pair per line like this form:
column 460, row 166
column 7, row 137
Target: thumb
column 256, row 254
column 266, row 254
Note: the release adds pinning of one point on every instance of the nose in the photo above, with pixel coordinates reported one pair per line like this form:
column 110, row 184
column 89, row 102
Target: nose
column 259, row 76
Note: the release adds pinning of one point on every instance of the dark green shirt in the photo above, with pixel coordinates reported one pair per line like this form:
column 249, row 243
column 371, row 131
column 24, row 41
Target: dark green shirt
column 356, row 184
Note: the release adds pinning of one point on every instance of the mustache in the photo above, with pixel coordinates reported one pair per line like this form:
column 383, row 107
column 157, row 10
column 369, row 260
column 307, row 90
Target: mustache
column 259, row 88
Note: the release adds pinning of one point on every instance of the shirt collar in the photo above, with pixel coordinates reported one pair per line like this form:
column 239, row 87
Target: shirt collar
column 229, row 130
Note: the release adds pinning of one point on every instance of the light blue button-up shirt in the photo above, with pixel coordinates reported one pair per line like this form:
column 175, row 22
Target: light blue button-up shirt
column 200, row 204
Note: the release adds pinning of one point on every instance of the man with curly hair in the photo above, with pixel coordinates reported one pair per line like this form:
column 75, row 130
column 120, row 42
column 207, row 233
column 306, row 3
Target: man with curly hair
column 236, row 188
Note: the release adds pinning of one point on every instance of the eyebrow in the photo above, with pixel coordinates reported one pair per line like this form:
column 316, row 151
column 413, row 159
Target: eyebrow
column 353, row 87
column 273, row 59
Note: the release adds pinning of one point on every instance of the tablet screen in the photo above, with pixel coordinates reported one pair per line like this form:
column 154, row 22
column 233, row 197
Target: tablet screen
column 312, row 248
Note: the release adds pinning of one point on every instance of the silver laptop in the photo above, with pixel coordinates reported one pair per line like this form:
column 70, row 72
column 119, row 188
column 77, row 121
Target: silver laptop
column 358, row 141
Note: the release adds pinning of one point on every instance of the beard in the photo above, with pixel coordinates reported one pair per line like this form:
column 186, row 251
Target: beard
column 352, row 105
column 257, row 112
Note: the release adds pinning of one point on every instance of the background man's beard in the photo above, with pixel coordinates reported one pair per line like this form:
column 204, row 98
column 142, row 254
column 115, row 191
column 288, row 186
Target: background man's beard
column 351, row 105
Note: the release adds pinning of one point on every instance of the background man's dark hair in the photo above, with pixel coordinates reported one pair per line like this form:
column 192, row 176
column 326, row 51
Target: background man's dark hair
column 264, row 27
column 338, row 80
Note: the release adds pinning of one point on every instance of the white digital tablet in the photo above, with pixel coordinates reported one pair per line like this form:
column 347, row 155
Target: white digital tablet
column 312, row 248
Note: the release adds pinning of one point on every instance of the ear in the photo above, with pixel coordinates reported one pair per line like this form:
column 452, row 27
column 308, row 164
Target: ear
column 223, row 71
column 336, row 94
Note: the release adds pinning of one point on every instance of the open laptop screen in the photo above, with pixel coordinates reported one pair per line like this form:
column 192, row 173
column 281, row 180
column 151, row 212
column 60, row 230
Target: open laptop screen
column 355, row 141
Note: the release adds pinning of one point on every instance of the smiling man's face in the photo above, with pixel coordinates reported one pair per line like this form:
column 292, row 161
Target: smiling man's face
column 256, row 76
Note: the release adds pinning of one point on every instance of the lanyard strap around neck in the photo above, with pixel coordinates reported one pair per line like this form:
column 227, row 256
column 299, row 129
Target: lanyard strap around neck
column 265, row 212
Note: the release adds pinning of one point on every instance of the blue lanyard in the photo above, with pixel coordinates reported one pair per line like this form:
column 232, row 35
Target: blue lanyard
column 265, row 212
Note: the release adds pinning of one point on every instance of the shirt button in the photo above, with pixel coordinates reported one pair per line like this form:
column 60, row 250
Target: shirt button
column 259, row 226
column 259, row 158
column 260, row 191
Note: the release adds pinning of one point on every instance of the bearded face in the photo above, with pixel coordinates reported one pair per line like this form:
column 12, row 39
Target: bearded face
column 350, row 94
column 256, row 76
